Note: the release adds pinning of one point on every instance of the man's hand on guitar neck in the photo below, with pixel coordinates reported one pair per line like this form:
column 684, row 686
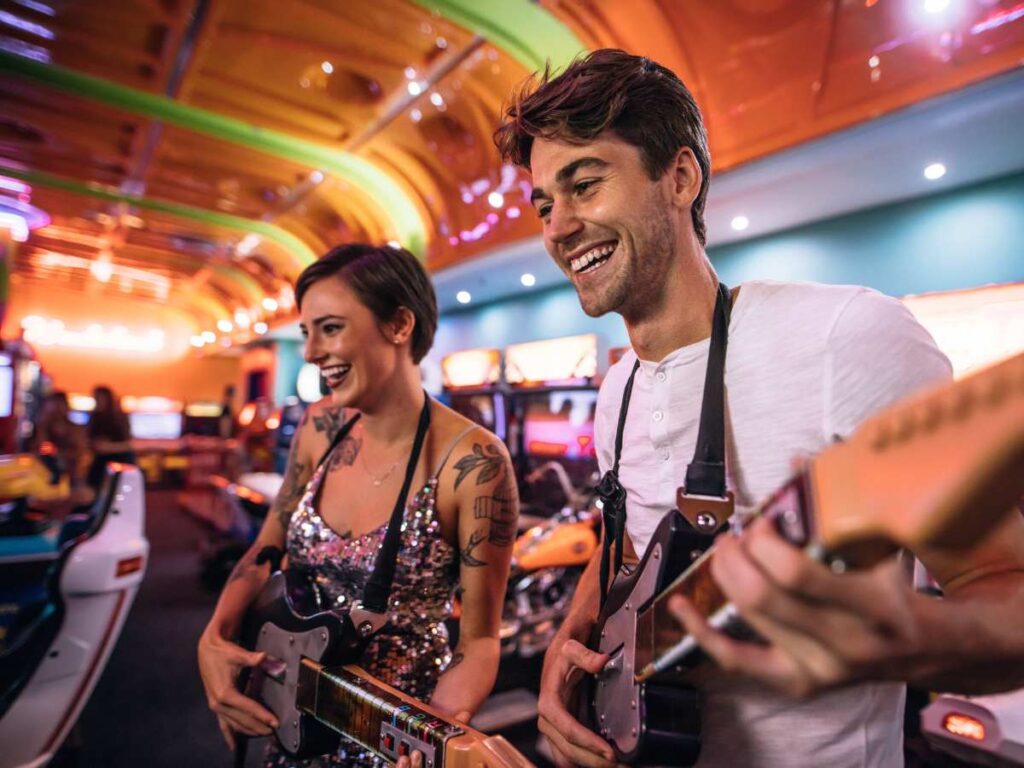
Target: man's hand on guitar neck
column 826, row 630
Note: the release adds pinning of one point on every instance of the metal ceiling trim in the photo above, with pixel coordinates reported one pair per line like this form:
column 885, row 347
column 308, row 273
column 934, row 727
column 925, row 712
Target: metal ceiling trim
column 301, row 253
column 523, row 29
column 393, row 203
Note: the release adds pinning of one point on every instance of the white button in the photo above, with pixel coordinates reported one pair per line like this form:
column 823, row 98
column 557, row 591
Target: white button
column 657, row 415
column 660, row 376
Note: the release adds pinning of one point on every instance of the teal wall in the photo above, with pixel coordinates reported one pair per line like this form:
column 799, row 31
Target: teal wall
column 958, row 239
column 289, row 360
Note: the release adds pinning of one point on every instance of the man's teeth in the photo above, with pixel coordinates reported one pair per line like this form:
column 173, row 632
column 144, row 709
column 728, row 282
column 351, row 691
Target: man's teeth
column 594, row 254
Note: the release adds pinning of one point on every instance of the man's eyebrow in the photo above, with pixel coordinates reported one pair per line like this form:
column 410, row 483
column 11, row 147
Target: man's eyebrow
column 568, row 171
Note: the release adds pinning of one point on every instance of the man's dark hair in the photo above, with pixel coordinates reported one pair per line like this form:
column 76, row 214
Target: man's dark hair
column 640, row 101
column 385, row 279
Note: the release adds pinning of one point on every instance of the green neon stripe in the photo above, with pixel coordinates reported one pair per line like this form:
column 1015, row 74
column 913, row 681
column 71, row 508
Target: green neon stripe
column 521, row 28
column 391, row 200
column 301, row 252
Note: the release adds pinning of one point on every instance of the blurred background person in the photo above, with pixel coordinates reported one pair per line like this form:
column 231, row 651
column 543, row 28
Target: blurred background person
column 110, row 435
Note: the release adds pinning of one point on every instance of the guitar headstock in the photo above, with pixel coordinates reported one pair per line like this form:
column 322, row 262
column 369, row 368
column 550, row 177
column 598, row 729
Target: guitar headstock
column 939, row 468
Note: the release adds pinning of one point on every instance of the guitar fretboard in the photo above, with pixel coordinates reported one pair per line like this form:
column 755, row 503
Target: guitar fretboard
column 358, row 707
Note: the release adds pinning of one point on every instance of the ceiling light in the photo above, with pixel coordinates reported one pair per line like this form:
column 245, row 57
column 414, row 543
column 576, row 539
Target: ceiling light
column 874, row 61
column 415, row 89
column 224, row 326
column 740, row 223
column 102, row 270
column 935, row 6
column 416, row 115
column 327, row 67
column 463, row 297
column 17, row 225
column 247, row 244
column 935, row 171
column 441, row 43
column 394, row 244
column 512, row 212
column 496, row 199
column 436, row 99
column 209, row 336
column 197, row 341
column 410, row 73
column 270, row 304
column 316, row 177
column 260, row 327
column 241, row 319
column 528, row 280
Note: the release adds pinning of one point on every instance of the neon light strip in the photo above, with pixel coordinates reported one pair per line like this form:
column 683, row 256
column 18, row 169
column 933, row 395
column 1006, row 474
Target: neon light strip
column 521, row 28
column 393, row 204
column 301, row 252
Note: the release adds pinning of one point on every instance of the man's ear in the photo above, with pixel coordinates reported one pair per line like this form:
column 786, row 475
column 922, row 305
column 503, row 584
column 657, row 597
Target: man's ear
column 686, row 177
column 399, row 329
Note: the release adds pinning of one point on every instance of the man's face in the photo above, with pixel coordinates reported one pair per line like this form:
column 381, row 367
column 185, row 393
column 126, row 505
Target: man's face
column 607, row 225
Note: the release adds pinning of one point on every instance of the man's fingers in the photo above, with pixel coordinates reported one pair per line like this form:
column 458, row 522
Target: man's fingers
column 248, row 658
column 226, row 732
column 568, row 746
column 463, row 717
column 584, row 658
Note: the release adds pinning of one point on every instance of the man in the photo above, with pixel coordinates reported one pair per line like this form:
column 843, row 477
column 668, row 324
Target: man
column 618, row 154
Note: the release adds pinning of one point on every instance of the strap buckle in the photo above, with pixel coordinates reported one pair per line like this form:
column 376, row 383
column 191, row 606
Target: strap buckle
column 707, row 514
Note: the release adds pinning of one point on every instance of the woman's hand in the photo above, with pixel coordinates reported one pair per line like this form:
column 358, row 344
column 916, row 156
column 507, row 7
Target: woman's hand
column 220, row 661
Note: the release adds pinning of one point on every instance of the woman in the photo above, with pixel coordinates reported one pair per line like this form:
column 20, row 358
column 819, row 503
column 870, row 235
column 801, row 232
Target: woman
column 57, row 440
column 368, row 316
column 110, row 436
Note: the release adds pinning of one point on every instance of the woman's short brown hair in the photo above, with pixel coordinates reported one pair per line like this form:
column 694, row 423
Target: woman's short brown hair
column 385, row 279
column 639, row 100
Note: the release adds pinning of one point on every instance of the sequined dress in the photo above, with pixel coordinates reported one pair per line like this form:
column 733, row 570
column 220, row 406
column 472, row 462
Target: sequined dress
column 411, row 650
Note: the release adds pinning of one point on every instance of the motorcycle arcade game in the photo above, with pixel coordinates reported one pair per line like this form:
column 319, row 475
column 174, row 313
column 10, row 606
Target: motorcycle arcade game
column 66, row 585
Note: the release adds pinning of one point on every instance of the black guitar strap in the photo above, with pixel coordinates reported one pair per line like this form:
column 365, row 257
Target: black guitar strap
column 378, row 587
column 705, row 475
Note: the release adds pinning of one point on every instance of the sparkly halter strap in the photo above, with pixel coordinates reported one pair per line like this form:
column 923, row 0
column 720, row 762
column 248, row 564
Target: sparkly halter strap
column 378, row 588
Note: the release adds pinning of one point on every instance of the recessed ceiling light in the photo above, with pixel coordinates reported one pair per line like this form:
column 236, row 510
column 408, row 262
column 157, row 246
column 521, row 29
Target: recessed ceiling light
column 739, row 223
column 394, row 244
column 316, row 177
column 496, row 199
column 209, row 336
column 416, row 115
column 415, row 89
column 224, row 326
column 935, row 171
column 528, row 280
column 410, row 73
column 436, row 99
column 327, row 67
column 260, row 328
column 463, row 297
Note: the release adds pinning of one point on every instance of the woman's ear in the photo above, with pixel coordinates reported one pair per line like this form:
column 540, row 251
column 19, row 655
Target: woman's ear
column 399, row 329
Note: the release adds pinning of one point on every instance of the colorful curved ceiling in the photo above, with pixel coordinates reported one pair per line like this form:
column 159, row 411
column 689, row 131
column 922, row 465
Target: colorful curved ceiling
column 205, row 150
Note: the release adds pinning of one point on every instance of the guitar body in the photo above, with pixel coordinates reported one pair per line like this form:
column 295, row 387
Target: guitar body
column 649, row 723
column 275, row 626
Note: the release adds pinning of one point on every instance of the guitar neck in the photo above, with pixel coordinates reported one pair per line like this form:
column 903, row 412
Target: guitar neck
column 657, row 630
column 382, row 718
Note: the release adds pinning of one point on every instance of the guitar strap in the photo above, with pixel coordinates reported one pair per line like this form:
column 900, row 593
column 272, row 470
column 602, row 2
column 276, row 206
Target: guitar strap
column 378, row 587
column 705, row 475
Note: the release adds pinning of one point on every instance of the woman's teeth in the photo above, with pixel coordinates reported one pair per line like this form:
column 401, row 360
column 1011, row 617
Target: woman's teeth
column 335, row 374
column 593, row 258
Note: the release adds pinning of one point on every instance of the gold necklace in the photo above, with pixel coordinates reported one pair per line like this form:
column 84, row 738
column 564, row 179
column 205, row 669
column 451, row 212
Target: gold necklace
column 378, row 480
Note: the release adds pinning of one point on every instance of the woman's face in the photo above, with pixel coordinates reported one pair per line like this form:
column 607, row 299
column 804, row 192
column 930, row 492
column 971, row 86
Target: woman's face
column 354, row 352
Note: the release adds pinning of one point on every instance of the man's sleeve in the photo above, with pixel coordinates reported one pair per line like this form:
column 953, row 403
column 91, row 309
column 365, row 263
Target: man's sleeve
column 877, row 354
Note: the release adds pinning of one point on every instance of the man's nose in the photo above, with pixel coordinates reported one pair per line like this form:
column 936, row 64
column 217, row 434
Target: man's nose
column 564, row 223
